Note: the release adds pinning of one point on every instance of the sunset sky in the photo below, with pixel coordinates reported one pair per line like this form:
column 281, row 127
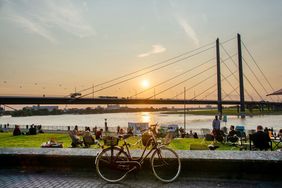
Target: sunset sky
column 52, row 47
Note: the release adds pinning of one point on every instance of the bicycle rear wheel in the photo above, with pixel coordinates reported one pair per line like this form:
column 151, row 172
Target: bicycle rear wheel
column 108, row 166
column 166, row 164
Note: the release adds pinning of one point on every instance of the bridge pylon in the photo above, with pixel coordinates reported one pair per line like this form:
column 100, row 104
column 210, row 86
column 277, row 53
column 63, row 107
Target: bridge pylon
column 241, row 78
column 219, row 97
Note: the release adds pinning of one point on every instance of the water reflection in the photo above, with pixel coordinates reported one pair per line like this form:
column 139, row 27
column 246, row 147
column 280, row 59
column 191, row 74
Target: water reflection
column 193, row 122
column 146, row 117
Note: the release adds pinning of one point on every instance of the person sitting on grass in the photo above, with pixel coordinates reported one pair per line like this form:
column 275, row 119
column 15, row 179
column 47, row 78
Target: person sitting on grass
column 232, row 137
column 195, row 135
column 98, row 134
column 17, row 131
column 32, row 130
column 260, row 139
column 130, row 131
column 182, row 132
column 74, row 134
column 39, row 128
column 88, row 140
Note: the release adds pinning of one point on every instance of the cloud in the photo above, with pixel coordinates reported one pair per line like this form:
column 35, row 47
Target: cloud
column 188, row 29
column 32, row 27
column 155, row 50
column 46, row 17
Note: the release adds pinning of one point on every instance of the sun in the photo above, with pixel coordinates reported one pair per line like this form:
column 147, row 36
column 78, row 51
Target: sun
column 145, row 84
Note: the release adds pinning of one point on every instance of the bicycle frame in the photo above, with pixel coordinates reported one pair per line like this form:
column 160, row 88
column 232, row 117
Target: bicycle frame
column 140, row 160
column 142, row 157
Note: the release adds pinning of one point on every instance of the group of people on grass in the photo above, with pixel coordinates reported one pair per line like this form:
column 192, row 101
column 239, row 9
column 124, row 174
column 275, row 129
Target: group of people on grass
column 87, row 137
column 33, row 130
column 191, row 134
column 261, row 138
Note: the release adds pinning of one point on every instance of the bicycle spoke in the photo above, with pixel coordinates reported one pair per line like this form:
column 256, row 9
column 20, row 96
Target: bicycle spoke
column 165, row 164
column 107, row 165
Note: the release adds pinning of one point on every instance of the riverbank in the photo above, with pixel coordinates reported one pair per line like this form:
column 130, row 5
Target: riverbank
column 25, row 112
column 232, row 112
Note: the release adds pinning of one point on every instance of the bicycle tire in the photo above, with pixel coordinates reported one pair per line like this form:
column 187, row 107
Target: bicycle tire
column 166, row 164
column 108, row 169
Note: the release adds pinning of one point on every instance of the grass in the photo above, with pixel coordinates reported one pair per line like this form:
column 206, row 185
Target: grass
column 34, row 141
column 27, row 141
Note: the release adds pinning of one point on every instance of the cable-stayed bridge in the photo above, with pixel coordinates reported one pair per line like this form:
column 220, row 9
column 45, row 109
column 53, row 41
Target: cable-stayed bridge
column 222, row 76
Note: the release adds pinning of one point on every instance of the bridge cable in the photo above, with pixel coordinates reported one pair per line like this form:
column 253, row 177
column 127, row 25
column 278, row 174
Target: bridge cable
column 117, row 83
column 236, row 67
column 227, row 79
column 186, row 89
column 197, row 84
column 227, row 95
column 215, row 91
column 255, row 76
column 231, row 92
column 253, row 87
column 162, row 62
column 211, row 87
column 210, row 92
column 182, row 81
column 148, row 67
column 189, row 70
column 252, row 57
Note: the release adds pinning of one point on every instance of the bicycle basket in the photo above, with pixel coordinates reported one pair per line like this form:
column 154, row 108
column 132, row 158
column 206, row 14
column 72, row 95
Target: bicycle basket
column 110, row 141
column 146, row 139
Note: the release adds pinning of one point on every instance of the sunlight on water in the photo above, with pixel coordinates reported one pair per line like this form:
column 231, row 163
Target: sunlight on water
column 145, row 117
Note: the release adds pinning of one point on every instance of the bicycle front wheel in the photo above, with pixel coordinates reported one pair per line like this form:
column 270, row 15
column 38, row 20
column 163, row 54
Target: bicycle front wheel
column 166, row 164
column 109, row 166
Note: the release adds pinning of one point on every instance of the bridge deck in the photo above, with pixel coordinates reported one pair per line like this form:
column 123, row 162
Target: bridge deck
column 65, row 100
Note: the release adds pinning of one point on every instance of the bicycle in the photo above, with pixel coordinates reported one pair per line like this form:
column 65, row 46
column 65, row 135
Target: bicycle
column 114, row 163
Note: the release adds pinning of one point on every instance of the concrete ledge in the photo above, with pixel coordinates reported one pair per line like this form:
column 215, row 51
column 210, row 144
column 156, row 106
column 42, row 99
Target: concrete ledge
column 231, row 164
column 183, row 154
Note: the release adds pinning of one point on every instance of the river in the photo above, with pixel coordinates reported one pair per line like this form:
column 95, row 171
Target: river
column 194, row 122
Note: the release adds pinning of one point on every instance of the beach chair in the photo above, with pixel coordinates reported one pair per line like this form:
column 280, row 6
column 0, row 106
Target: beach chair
column 240, row 132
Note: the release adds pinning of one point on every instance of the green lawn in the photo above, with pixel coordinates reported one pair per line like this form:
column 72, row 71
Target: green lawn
column 8, row 140
column 26, row 141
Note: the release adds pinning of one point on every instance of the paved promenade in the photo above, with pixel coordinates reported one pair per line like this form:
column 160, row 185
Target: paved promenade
column 21, row 178
column 35, row 167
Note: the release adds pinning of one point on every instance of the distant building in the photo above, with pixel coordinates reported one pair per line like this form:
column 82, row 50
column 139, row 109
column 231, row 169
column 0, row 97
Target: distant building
column 49, row 108
column 99, row 108
column 113, row 107
column 209, row 106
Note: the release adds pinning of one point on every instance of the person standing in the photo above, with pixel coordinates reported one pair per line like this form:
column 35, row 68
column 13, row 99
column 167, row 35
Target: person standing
column 106, row 126
column 216, row 127
column 216, row 123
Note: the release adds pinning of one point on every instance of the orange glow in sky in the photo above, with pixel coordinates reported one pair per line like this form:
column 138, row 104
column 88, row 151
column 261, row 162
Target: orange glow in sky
column 145, row 84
